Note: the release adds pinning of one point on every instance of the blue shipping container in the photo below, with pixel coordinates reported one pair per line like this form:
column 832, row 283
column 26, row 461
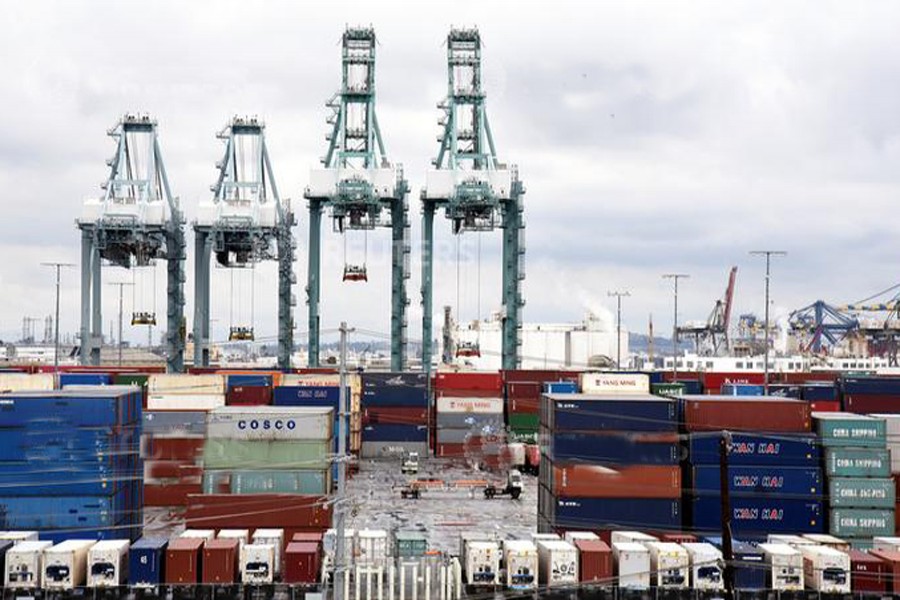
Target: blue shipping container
column 63, row 512
column 380, row 432
column 84, row 379
column 560, row 387
column 70, row 408
column 692, row 387
column 818, row 392
column 655, row 377
column 53, row 479
column 307, row 396
column 884, row 386
column 56, row 442
column 784, row 390
column 249, row 380
column 759, row 515
column 610, row 513
column 399, row 396
column 577, row 412
column 395, row 380
column 742, row 389
column 793, row 481
column 147, row 562
column 788, row 450
column 614, row 448
column 750, row 567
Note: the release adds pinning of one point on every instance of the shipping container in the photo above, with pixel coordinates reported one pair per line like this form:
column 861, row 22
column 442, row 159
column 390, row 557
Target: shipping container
column 595, row 481
column 580, row 412
column 614, row 383
column 670, row 564
column 785, row 567
column 247, row 395
column 869, row 574
column 451, row 404
column 573, row 536
column 481, row 563
column 757, row 515
column 19, row 536
column 394, row 433
column 392, row 449
column 200, row 534
column 521, row 560
column 257, row 563
column 891, row 560
column 605, row 513
column 302, row 563
column 107, row 564
column 846, row 429
column 616, row 448
column 706, row 566
column 174, row 422
column 861, row 522
column 275, row 538
column 25, row 565
column 372, row 548
column 761, row 413
column 886, row 542
column 558, row 563
column 632, row 536
column 825, row 539
column 271, row 423
column 861, row 492
column 559, row 387
column 26, row 382
column 793, row 481
column 712, row 382
column 101, row 407
column 65, row 564
column 395, row 415
column 146, row 562
column 632, row 565
column 750, row 570
column 174, row 383
column 742, row 389
column 668, row 389
column 220, row 561
column 486, row 381
column 240, row 454
column 857, row 462
column 187, row 402
column 826, row 570
column 184, row 561
column 258, row 511
column 63, row 512
column 595, row 561
column 409, row 544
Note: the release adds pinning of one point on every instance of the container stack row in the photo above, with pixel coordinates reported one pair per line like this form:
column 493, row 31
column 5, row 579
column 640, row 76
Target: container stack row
column 468, row 417
column 394, row 414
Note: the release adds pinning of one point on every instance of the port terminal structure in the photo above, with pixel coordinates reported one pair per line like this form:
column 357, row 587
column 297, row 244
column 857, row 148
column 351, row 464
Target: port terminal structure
column 135, row 222
column 363, row 189
column 477, row 192
column 245, row 222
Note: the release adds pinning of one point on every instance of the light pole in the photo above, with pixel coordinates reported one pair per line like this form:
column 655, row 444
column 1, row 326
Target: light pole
column 768, row 254
column 675, row 277
column 618, row 295
column 121, row 285
column 57, row 266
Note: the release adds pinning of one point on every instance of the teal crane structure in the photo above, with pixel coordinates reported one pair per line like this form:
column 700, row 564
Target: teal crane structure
column 135, row 222
column 363, row 189
column 477, row 192
column 245, row 222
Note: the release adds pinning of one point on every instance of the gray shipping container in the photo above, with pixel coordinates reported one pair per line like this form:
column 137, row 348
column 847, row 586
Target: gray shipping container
column 392, row 449
column 461, row 436
column 163, row 422
column 270, row 423
column 473, row 421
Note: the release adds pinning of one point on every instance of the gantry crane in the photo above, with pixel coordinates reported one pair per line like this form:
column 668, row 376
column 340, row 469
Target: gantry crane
column 134, row 223
column 360, row 184
column 476, row 191
column 711, row 338
column 245, row 222
column 821, row 324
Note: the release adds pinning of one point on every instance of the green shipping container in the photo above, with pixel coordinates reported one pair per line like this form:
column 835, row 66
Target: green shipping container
column 137, row 379
column 410, row 544
column 860, row 543
column 523, row 436
column 281, row 482
column 667, row 389
column 861, row 522
column 524, row 422
column 857, row 462
column 861, row 492
column 243, row 454
column 845, row 429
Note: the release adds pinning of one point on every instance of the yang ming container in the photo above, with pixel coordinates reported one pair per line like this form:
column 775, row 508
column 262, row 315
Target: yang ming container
column 65, row 564
column 108, row 563
column 146, row 562
column 25, row 565
column 521, row 560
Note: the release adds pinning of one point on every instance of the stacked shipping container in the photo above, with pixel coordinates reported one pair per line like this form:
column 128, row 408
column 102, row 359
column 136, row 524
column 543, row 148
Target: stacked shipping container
column 468, row 417
column 395, row 414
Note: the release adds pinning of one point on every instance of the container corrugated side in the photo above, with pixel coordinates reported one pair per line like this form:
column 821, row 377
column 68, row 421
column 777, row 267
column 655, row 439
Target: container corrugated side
column 862, row 492
column 241, row 454
column 857, row 462
column 756, row 449
column 846, row 429
column 271, row 423
column 860, row 522
column 579, row 412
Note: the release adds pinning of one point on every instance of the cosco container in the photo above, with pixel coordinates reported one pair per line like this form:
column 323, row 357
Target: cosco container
column 614, row 383
column 785, row 567
column 869, row 574
column 580, row 412
column 184, row 561
column 670, row 564
column 65, row 564
column 257, row 563
column 862, row 492
column 220, row 561
column 482, row 563
column 25, row 565
column 521, row 560
column 558, row 563
column 758, row 515
column 616, row 448
column 861, row 522
column 847, row 429
column 857, row 462
column 146, row 562
column 706, row 566
column 759, row 413
column 275, row 538
column 108, row 563
column 595, row 561
column 632, row 565
column 756, row 449
column 793, row 481
column 271, row 423
column 826, row 570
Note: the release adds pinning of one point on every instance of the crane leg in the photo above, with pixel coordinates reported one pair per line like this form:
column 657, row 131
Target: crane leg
column 202, row 253
column 96, row 313
column 427, row 283
column 399, row 275
column 313, row 279
column 87, row 247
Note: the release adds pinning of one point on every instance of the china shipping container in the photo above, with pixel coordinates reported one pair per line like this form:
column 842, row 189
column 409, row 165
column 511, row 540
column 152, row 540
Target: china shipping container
column 862, row 492
column 857, row 462
column 845, row 429
column 146, row 562
column 861, row 522
column 762, row 413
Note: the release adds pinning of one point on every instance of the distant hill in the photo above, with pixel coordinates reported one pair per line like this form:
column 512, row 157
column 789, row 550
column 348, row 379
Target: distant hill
column 662, row 346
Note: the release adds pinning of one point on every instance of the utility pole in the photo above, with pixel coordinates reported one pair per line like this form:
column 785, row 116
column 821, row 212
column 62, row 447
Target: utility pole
column 768, row 254
column 618, row 295
column 340, row 566
column 675, row 277
column 57, row 266
column 121, row 285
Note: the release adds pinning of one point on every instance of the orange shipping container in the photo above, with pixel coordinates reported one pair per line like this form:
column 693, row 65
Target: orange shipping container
column 634, row 481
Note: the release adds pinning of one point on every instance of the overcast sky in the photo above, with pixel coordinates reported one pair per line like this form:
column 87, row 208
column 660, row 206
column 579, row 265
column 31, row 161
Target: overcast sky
column 652, row 137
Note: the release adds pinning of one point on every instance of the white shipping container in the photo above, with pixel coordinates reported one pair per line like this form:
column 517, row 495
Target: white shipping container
column 824, row 539
column 258, row 563
column 481, row 406
column 516, row 453
column 614, row 383
column 670, row 564
column 65, row 564
column 558, row 562
column 631, row 536
column 826, row 570
column 329, row 545
column 25, row 565
column 242, row 535
column 274, row 538
column 886, row 543
column 188, row 385
column 706, row 566
column 26, row 382
column 794, row 541
column 203, row 534
column 571, row 536
column 191, row 402
column 372, row 547
column 785, row 566
column 270, row 423
column 537, row 537
column 521, row 559
column 19, row 536
column 482, row 563
column 108, row 563
column 632, row 565
column 310, row 379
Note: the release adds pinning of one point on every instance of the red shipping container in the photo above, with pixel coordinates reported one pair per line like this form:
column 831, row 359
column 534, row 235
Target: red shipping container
column 868, row 573
column 220, row 561
column 184, row 561
column 397, row 415
column 797, row 378
column 473, row 380
column 169, row 494
column 872, row 403
column 302, row 562
column 186, row 449
column 634, row 481
column 595, row 562
column 891, row 560
column 533, row 455
column 540, row 376
column 713, row 382
column 252, row 511
column 825, row 406
column 164, row 469
column 678, row 538
column 455, row 393
column 451, row 450
column 669, row 376
column 248, row 395
column 524, row 389
column 524, row 406
column 307, row 537
column 753, row 414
